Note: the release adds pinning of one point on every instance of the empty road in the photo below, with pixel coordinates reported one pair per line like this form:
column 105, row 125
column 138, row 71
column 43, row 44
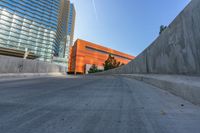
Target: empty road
column 93, row 105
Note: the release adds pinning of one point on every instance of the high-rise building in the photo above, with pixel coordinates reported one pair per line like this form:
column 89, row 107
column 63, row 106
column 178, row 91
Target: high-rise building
column 37, row 26
column 65, row 32
column 70, row 31
column 71, row 24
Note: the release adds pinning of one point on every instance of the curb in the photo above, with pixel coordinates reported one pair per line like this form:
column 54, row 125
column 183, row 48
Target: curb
column 182, row 86
column 28, row 75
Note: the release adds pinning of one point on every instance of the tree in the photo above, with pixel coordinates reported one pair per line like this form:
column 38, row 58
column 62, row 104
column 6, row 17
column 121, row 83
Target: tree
column 94, row 69
column 162, row 28
column 122, row 64
column 111, row 63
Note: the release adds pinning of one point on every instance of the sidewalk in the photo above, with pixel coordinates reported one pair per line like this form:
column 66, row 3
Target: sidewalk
column 187, row 87
column 18, row 76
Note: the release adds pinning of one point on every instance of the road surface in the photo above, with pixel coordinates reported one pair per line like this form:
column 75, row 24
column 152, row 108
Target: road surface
column 93, row 105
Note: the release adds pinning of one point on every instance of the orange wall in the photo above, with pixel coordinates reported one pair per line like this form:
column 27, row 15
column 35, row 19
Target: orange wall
column 80, row 56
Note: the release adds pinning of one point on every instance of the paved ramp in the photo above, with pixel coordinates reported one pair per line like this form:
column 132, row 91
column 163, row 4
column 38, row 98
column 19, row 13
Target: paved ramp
column 93, row 105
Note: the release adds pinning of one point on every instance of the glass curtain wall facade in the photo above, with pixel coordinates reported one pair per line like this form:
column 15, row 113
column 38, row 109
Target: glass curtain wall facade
column 62, row 27
column 71, row 23
column 70, row 29
column 30, row 25
column 65, row 32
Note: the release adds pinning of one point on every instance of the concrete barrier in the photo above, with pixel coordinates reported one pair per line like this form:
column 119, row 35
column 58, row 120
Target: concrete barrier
column 187, row 87
column 19, row 65
column 175, row 51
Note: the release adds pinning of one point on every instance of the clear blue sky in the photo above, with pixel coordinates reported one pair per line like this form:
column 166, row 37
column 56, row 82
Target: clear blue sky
column 125, row 25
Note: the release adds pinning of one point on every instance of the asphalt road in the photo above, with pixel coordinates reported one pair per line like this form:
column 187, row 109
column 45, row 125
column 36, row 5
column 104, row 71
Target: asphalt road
column 93, row 105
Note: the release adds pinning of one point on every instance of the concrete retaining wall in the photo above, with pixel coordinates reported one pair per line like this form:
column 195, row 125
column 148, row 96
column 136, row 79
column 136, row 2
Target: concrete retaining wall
column 19, row 65
column 175, row 51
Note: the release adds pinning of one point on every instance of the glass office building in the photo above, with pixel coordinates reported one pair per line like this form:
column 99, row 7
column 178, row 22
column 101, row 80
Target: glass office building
column 71, row 23
column 70, row 29
column 65, row 32
column 31, row 25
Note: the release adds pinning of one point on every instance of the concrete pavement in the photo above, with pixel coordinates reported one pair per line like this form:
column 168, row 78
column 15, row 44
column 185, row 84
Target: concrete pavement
column 94, row 104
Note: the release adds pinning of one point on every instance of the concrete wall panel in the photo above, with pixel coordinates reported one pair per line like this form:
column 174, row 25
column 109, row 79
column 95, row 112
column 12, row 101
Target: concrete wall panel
column 18, row 65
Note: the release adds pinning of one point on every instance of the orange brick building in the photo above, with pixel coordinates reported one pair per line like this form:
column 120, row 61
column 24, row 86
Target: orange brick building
column 84, row 54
